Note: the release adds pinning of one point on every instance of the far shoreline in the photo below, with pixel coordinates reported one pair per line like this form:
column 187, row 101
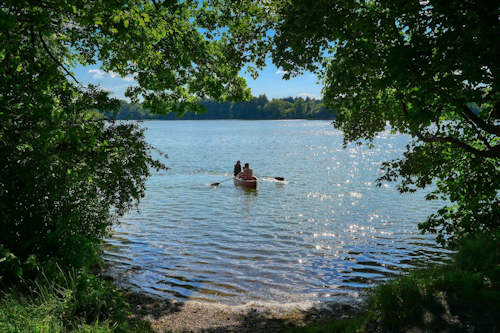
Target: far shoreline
column 228, row 119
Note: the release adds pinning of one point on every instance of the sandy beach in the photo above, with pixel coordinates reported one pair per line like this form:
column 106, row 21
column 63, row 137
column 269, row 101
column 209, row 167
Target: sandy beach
column 191, row 316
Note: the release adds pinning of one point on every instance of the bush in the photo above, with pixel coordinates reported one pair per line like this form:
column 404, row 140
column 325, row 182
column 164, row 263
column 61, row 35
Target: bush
column 466, row 288
column 10, row 266
column 399, row 302
column 66, row 175
column 93, row 299
column 480, row 253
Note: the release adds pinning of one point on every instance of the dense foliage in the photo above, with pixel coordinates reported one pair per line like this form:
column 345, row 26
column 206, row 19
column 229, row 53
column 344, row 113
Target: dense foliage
column 257, row 108
column 66, row 173
column 428, row 69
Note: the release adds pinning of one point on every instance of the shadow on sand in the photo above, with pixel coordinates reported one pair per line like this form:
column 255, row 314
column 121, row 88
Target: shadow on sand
column 172, row 316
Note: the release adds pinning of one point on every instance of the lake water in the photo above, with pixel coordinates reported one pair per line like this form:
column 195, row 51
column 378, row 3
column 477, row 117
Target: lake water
column 324, row 234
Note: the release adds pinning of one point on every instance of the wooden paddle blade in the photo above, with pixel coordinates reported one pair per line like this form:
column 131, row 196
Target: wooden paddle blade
column 279, row 178
column 214, row 184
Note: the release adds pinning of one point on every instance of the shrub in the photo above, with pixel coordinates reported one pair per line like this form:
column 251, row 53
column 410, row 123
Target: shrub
column 480, row 253
column 399, row 302
column 465, row 288
column 10, row 266
column 66, row 175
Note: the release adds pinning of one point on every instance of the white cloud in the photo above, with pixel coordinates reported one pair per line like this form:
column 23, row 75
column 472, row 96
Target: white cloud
column 128, row 78
column 280, row 71
column 99, row 74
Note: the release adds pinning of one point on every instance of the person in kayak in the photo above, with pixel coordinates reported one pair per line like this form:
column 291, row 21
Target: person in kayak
column 247, row 173
column 237, row 168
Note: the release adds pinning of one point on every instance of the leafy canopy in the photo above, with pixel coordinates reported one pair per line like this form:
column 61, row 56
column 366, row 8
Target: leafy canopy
column 428, row 69
column 65, row 173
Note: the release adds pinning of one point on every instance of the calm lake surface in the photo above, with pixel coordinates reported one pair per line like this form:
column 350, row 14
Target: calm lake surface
column 325, row 234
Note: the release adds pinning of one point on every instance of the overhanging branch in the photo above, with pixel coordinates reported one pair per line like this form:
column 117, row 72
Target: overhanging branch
column 481, row 123
column 494, row 152
column 156, row 5
column 46, row 48
column 478, row 131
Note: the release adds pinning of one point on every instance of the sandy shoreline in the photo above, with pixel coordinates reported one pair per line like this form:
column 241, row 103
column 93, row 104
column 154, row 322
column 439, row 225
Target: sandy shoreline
column 191, row 316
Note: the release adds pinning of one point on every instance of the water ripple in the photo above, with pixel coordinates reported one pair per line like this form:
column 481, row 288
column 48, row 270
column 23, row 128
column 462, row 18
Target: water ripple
column 327, row 233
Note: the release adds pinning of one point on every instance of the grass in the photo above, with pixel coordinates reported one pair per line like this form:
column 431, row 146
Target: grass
column 76, row 301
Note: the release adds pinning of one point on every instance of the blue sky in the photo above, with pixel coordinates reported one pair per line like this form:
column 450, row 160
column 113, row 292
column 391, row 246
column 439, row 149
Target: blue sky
column 269, row 82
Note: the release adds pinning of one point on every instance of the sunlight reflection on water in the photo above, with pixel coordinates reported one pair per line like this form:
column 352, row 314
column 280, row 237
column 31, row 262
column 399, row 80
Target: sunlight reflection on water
column 325, row 234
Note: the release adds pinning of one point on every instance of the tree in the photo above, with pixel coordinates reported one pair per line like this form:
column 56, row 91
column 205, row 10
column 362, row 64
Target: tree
column 65, row 172
column 428, row 69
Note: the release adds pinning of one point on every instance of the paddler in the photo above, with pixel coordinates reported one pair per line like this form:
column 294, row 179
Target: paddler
column 247, row 173
column 237, row 168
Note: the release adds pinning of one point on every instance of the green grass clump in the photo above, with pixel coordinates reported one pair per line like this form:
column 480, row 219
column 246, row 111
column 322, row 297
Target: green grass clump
column 75, row 301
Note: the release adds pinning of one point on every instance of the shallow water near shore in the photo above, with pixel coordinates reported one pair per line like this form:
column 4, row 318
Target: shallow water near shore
column 325, row 234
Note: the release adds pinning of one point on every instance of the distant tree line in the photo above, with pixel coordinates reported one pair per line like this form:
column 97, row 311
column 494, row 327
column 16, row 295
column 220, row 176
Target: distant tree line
column 257, row 108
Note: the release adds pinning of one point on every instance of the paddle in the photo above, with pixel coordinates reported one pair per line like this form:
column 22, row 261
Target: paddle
column 277, row 178
column 217, row 184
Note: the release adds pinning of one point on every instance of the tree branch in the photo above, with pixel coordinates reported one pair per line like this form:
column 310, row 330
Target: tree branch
column 46, row 48
column 493, row 152
column 32, row 35
column 481, row 123
column 156, row 5
column 478, row 132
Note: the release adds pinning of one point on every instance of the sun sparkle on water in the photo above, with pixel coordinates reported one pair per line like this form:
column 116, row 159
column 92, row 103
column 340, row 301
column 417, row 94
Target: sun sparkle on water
column 326, row 233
